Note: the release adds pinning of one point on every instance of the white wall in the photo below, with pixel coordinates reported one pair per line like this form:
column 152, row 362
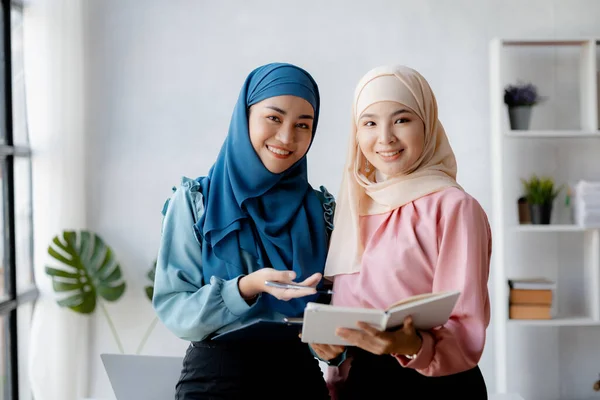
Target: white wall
column 163, row 78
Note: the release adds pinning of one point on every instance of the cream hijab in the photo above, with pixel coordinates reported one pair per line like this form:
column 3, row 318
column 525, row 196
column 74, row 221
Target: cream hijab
column 359, row 193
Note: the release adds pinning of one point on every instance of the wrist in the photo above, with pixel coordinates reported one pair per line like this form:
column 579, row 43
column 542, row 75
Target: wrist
column 418, row 343
column 247, row 288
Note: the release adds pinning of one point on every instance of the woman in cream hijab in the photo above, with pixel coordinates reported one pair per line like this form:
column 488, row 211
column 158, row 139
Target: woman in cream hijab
column 403, row 227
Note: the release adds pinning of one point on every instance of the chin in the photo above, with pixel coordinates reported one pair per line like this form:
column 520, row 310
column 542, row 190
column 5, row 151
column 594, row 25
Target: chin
column 277, row 168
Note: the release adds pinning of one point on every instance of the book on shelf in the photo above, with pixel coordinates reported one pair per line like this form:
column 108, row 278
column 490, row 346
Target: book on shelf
column 531, row 298
column 531, row 283
column 527, row 311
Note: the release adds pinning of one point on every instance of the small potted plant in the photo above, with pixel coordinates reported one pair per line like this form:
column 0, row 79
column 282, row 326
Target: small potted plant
column 540, row 194
column 520, row 98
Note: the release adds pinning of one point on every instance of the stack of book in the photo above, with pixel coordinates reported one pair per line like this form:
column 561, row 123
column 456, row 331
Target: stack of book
column 530, row 298
column 587, row 204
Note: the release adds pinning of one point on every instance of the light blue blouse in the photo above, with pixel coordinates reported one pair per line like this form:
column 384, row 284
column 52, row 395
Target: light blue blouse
column 191, row 308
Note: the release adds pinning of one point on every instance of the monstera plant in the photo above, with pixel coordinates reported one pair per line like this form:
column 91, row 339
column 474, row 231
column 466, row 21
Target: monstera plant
column 88, row 274
column 149, row 293
column 150, row 288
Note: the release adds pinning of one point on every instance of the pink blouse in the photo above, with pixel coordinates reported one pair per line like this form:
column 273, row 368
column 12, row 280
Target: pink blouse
column 436, row 243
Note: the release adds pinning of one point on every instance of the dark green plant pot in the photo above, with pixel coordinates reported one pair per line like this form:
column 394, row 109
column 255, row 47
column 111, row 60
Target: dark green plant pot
column 519, row 117
column 540, row 213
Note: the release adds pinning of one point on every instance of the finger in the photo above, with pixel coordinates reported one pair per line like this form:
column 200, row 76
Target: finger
column 408, row 327
column 281, row 276
column 369, row 329
column 288, row 294
column 312, row 280
column 322, row 350
column 338, row 349
column 359, row 339
column 319, row 348
column 303, row 292
column 351, row 335
column 331, row 348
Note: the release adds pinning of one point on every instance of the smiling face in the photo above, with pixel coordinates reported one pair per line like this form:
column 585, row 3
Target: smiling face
column 281, row 131
column 391, row 137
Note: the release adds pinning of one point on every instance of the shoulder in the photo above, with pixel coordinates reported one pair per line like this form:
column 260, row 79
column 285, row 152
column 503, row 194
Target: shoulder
column 188, row 194
column 454, row 197
column 454, row 203
column 328, row 203
column 324, row 196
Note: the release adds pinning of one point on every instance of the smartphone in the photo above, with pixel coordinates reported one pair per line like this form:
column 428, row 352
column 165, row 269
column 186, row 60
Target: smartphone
column 295, row 286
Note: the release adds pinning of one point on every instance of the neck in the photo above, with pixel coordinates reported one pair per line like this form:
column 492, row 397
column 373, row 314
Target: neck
column 380, row 177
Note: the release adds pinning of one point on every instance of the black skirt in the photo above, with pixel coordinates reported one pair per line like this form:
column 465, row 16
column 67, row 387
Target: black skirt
column 244, row 370
column 382, row 377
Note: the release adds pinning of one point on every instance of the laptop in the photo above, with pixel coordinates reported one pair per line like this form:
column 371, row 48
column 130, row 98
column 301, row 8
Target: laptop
column 134, row 377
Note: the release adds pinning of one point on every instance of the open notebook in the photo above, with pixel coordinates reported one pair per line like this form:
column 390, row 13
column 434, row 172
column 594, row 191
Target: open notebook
column 427, row 310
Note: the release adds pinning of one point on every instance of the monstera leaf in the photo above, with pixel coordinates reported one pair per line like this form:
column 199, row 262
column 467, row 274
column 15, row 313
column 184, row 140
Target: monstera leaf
column 149, row 293
column 88, row 270
column 150, row 289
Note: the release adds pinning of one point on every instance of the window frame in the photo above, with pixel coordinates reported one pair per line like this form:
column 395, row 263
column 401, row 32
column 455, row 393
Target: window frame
column 9, row 306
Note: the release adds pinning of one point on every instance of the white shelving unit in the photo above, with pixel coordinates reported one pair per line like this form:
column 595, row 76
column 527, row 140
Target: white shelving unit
column 564, row 142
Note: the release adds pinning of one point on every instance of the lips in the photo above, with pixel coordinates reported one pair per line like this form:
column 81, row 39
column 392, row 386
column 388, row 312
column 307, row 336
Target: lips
column 390, row 155
column 279, row 152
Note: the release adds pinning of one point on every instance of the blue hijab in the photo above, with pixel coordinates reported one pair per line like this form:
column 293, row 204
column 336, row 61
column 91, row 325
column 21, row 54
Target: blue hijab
column 275, row 218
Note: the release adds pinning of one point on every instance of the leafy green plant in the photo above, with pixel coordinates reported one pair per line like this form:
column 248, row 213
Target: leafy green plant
column 89, row 273
column 149, row 294
column 521, row 94
column 151, row 275
column 540, row 190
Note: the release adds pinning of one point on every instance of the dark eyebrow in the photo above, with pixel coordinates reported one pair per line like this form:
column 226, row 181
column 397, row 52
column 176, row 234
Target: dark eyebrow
column 279, row 110
column 283, row 112
column 402, row 111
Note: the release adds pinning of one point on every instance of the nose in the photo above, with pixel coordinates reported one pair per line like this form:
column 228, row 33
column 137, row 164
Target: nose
column 286, row 134
column 386, row 135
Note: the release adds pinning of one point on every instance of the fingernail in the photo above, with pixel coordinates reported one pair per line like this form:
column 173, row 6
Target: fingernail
column 292, row 275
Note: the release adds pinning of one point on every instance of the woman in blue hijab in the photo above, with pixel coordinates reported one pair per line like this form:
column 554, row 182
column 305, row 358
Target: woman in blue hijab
column 253, row 218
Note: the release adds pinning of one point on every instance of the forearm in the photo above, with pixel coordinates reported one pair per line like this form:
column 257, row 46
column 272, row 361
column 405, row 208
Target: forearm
column 453, row 348
column 194, row 315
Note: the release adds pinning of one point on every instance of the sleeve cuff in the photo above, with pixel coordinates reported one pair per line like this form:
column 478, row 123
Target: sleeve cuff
column 232, row 298
column 337, row 361
column 423, row 357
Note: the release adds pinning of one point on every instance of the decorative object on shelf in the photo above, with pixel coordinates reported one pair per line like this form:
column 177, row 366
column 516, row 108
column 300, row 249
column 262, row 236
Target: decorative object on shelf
column 540, row 194
column 520, row 99
column 524, row 214
column 587, row 204
column 569, row 210
column 88, row 275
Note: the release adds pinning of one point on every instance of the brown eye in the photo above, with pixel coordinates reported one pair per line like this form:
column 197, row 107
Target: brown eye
column 402, row 121
column 369, row 123
column 273, row 118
